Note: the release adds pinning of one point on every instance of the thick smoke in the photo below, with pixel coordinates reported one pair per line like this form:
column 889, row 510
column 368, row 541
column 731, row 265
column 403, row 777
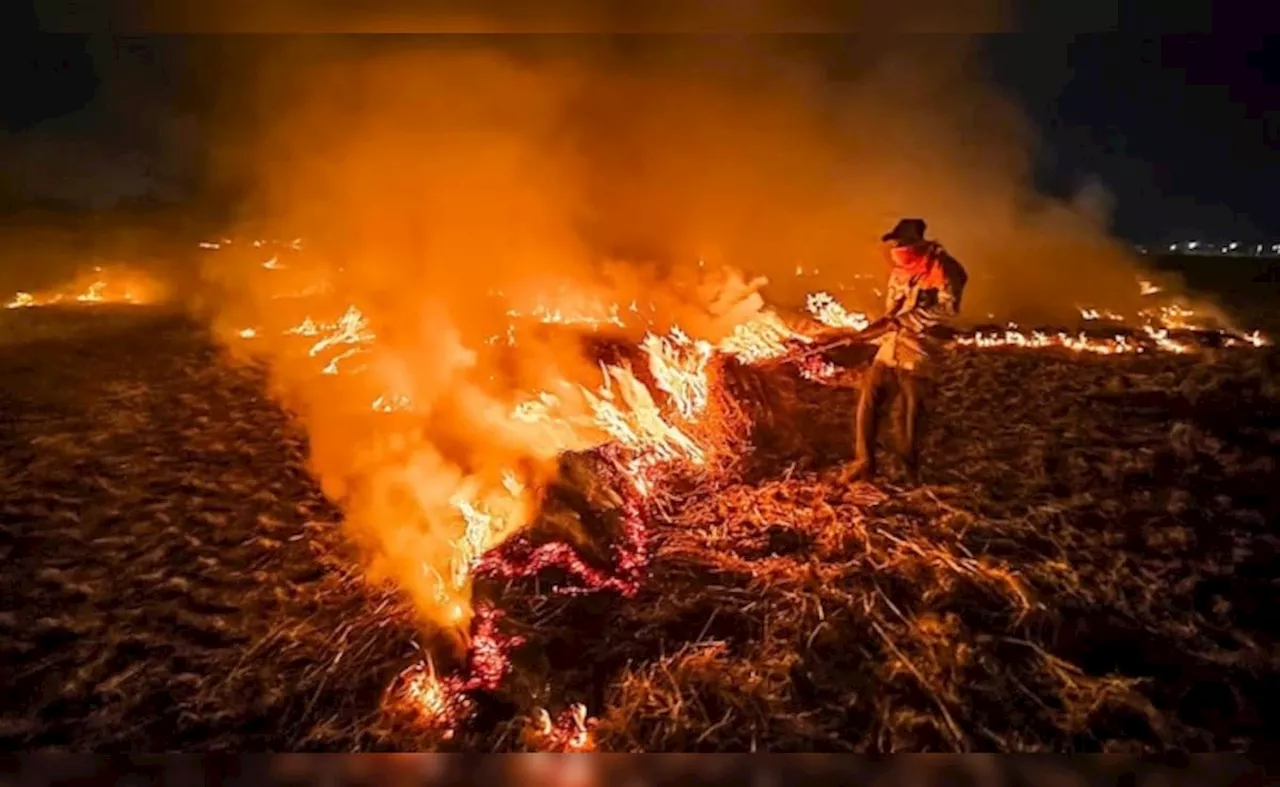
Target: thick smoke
column 440, row 185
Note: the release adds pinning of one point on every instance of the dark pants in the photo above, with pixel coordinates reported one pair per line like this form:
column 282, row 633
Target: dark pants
column 881, row 386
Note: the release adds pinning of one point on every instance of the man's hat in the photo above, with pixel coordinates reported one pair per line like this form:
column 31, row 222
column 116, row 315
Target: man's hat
column 906, row 231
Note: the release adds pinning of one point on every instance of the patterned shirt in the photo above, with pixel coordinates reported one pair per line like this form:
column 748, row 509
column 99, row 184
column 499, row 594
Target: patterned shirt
column 917, row 309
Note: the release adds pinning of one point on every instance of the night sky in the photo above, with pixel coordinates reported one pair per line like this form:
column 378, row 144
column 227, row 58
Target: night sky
column 1183, row 131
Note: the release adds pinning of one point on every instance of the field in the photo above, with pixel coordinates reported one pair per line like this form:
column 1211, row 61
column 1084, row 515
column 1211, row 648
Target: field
column 1090, row 565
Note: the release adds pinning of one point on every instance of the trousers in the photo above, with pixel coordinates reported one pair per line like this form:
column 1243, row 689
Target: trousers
column 882, row 387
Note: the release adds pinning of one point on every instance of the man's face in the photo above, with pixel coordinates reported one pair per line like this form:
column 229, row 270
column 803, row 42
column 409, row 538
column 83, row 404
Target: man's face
column 895, row 249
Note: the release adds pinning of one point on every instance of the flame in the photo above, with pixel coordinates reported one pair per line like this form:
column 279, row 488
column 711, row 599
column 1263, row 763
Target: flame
column 391, row 404
column 441, row 703
column 763, row 337
column 1161, row 337
column 1255, row 339
column 307, row 327
column 555, row 316
column 646, row 422
column 634, row 420
column 94, row 293
column 351, row 328
column 663, row 423
column 98, row 286
column 828, row 311
column 1171, row 315
column 331, row 368
column 679, row 365
column 570, row 732
column 437, row 704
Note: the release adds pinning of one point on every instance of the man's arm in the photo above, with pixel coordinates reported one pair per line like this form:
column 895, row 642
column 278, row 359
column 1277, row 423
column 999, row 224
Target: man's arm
column 843, row 337
column 878, row 328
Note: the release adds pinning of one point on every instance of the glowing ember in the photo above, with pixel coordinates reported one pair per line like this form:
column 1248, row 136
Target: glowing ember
column 570, row 732
column 815, row 369
column 441, row 702
column 248, row 333
column 438, row 704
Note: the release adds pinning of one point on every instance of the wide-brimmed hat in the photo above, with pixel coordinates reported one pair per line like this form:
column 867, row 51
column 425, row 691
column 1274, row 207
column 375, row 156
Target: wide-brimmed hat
column 906, row 231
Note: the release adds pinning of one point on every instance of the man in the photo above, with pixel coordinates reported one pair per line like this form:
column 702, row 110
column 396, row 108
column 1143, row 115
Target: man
column 924, row 290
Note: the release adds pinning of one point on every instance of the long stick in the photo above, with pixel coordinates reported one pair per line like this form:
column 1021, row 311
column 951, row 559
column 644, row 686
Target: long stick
column 822, row 348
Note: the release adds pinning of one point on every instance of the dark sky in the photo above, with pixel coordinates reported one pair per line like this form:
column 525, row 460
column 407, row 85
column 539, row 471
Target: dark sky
column 1184, row 131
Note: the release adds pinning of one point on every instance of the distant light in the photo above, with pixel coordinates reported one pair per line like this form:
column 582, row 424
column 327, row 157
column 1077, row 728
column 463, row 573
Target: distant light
column 1234, row 244
column 1173, row 247
column 1193, row 244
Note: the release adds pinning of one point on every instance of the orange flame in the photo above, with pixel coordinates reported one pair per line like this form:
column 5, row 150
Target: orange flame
column 99, row 286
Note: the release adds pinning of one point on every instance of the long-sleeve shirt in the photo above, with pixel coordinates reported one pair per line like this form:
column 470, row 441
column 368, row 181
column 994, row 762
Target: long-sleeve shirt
column 917, row 308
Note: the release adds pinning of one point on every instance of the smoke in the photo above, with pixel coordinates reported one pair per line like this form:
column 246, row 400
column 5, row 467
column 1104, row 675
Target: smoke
column 443, row 184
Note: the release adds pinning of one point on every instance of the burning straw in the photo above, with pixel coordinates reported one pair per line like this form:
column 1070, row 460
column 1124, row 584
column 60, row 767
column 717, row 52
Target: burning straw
column 666, row 408
column 451, row 341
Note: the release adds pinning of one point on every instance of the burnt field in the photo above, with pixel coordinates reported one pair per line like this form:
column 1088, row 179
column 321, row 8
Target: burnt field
column 1091, row 565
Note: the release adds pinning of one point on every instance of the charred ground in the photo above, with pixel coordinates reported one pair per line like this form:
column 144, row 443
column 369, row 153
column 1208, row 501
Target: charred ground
column 1091, row 566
